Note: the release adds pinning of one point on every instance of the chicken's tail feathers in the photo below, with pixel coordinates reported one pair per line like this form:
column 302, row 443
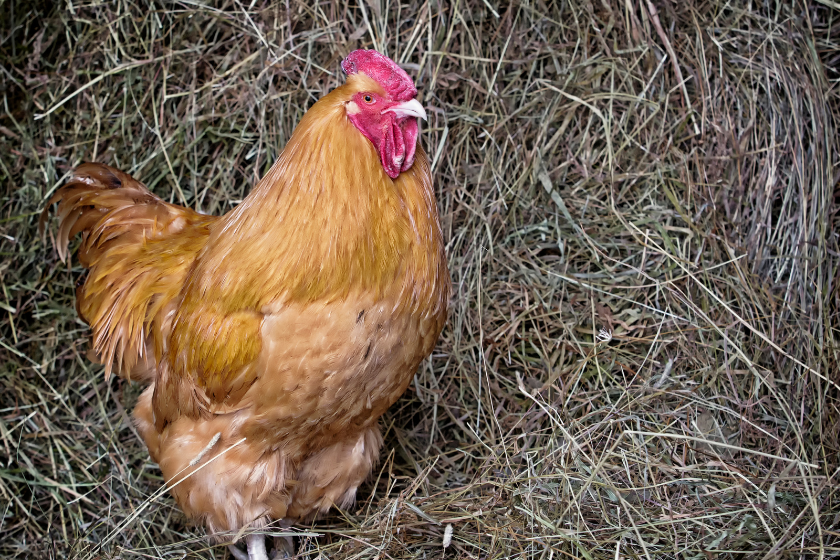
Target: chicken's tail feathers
column 139, row 250
column 93, row 191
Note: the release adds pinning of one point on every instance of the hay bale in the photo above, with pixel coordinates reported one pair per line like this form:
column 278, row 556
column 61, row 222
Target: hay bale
column 639, row 203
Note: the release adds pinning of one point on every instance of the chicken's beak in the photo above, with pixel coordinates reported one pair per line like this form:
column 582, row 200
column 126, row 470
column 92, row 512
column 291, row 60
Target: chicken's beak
column 407, row 109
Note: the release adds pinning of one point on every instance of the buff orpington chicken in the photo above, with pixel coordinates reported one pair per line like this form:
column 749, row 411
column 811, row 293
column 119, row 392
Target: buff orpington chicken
column 274, row 337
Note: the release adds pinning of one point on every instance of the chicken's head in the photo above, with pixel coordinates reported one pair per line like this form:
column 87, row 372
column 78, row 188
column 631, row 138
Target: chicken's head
column 386, row 115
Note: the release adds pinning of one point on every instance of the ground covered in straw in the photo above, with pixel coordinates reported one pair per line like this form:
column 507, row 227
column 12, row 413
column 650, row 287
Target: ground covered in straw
column 639, row 203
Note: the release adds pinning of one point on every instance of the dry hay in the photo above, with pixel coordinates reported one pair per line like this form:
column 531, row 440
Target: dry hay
column 638, row 199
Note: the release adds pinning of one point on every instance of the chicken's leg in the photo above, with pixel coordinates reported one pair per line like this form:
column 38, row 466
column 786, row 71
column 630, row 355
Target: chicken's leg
column 256, row 548
column 236, row 552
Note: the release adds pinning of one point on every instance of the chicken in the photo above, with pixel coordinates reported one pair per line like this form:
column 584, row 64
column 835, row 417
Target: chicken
column 274, row 337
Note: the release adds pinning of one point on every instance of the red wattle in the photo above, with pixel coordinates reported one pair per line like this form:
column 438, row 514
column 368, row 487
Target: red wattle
column 410, row 130
column 398, row 145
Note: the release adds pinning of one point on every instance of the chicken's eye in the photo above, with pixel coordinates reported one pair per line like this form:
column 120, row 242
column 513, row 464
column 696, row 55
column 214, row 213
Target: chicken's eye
column 368, row 99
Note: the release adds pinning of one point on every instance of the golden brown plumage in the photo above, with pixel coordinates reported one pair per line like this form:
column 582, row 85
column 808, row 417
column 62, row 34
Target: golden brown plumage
column 293, row 322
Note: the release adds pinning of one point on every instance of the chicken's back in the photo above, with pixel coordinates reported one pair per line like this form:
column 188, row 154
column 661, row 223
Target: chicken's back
column 139, row 250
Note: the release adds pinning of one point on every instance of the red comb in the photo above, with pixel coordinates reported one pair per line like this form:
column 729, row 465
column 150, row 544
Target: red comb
column 382, row 69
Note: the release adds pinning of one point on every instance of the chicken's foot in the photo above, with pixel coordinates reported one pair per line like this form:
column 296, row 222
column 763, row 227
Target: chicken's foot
column 256, row 548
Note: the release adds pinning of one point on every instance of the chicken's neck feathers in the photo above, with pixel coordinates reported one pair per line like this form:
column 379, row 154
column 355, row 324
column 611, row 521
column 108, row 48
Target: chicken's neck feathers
column 327, row 220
